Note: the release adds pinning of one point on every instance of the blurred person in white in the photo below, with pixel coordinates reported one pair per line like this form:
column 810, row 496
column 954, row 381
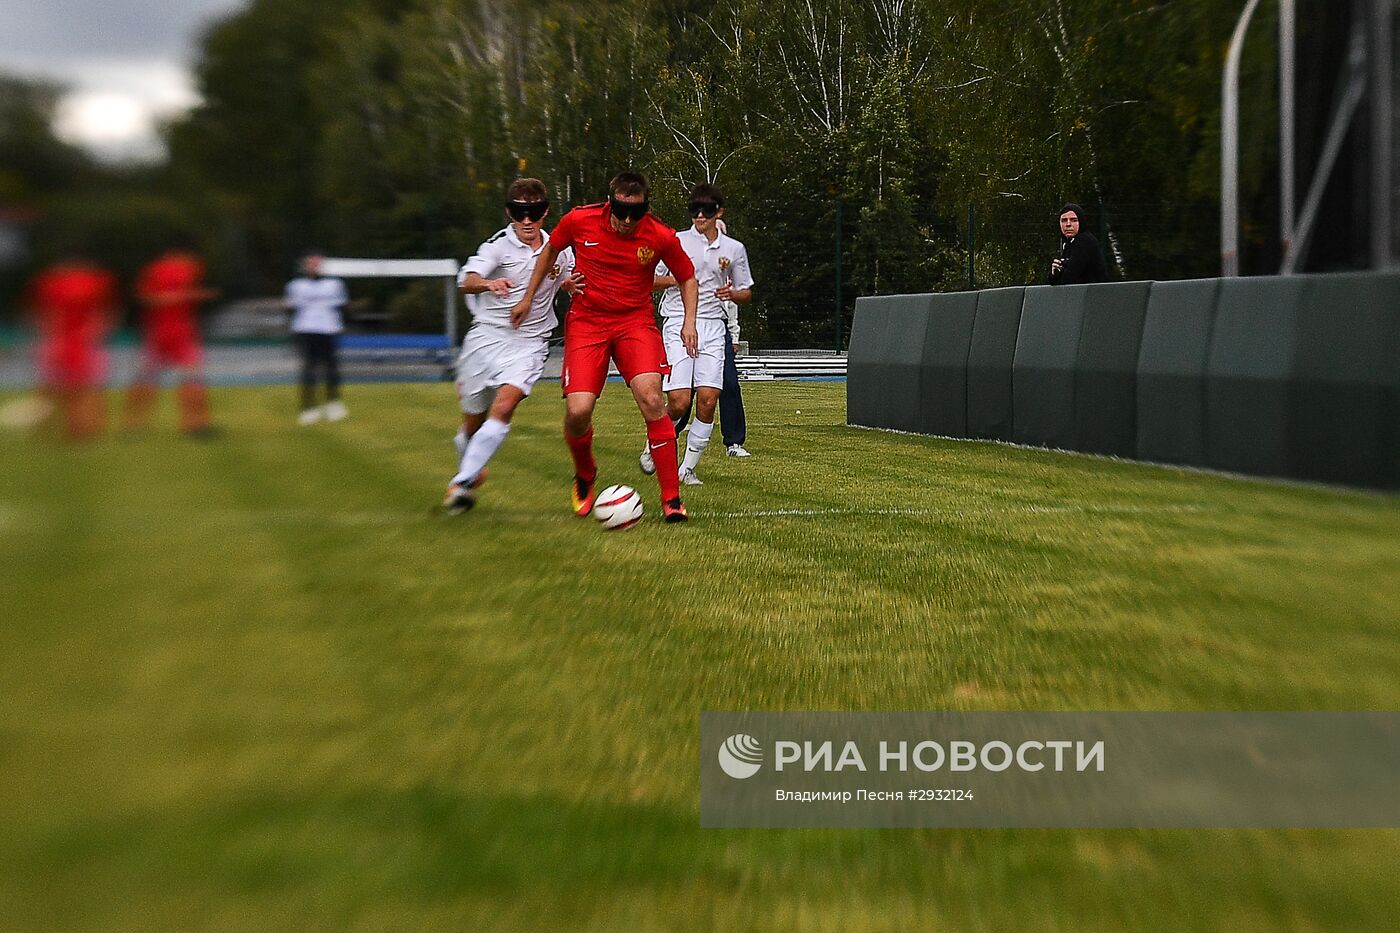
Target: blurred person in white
column 501, row 360
column 316, row 302
column 722, row 268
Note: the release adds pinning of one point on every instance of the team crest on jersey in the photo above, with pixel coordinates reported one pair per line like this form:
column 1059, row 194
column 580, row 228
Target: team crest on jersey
column 645, row 254
column 554, row 272
column 724, row 263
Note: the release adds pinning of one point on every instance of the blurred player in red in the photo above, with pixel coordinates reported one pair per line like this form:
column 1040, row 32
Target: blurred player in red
column 617, row 245
column 73, row 304
column 170, row 289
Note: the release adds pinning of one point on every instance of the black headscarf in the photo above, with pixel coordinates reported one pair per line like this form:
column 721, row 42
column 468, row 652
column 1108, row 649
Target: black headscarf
column 1071, row 208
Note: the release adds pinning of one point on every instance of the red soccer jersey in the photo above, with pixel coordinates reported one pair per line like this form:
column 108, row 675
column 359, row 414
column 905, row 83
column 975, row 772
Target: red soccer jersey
column 72, row 303
column 160, row 287
column 619, row 271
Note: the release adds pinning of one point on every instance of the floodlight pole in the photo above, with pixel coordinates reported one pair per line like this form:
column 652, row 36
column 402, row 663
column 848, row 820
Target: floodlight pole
column 1287, row 110
column 1230, row 148
column 1383, row 252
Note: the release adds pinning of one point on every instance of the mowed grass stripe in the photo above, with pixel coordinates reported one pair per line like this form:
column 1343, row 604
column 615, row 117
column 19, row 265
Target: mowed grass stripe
column 146, row 713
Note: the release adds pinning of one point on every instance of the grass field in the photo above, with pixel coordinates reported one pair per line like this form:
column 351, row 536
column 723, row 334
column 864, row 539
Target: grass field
column 258, row 684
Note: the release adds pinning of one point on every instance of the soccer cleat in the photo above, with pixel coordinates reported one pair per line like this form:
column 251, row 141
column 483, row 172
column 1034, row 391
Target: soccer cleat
column 459, row 499
column 462, row 496
column 737, row 450
column 585, row 493
column 688, row 478
column 673, row 510
column 336, row 411
column 309, row 416
column 646, row 462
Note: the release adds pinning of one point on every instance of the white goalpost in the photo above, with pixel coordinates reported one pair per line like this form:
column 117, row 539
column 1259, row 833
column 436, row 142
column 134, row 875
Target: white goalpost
column 445, row 269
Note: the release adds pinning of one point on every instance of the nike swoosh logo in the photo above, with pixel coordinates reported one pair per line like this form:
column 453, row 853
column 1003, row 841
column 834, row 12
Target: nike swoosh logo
column 586, row 243
column 658, row 446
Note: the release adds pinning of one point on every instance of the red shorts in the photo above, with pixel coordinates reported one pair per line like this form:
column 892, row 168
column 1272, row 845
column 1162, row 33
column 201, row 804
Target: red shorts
column 174, row 346
column 590, row 340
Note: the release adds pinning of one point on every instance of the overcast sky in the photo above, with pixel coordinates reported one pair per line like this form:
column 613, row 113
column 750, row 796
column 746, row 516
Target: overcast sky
column 127, row 62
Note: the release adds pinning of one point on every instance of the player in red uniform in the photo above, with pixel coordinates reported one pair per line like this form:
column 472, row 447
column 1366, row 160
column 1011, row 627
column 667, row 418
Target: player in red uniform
column 617, row 245
column 73, row 305
column 171, row 288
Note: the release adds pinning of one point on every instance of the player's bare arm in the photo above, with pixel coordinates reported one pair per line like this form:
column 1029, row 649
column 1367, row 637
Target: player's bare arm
column 542, row 267
column 476, row 284
column 740, row 296
column 664, row 282
column 690, row 298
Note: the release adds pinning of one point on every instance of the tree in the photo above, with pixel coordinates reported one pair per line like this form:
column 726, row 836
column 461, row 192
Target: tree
column 253, row 140
column 393, row 127
column 33, row 161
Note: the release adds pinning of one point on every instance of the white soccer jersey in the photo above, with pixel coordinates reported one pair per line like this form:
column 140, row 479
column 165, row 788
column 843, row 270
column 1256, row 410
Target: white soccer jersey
column 316, row 303
column 723, row 262
column 503, row 256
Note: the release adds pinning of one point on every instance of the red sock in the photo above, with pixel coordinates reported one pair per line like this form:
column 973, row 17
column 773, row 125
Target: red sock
column 661, row 438
column 140, row 399
column 582, row 450
column 194, row 406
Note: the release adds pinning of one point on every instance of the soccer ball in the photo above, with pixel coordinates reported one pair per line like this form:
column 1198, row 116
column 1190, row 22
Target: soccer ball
column 618, row 507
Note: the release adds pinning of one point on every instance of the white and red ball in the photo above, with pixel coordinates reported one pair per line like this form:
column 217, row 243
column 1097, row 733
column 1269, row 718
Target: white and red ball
column 618, row 507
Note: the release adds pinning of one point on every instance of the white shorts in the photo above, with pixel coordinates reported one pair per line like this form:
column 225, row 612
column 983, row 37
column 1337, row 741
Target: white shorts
column 491, row 359
column 689, row 372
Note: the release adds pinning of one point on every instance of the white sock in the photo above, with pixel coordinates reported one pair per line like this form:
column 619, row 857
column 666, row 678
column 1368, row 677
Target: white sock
column 697, row 439
column 459, row 440
column 482, row 447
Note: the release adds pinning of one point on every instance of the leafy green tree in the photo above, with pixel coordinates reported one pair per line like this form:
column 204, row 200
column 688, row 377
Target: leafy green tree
column 392, row 128
column 254, row 138
column 33, row 161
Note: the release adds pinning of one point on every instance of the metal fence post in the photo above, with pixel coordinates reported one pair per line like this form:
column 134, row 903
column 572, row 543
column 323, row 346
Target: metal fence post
column 839, row 322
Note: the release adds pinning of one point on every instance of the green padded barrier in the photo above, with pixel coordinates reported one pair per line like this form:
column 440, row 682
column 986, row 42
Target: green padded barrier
column 884, row 382
column 1171, row 373
column 863, row 362
column 1042, row 376
column 1345, row 406
column 989, row 361
column 1105, row 369
column 942, row 406
column 906, row 326
column 1249, row 375
column 1284, row 376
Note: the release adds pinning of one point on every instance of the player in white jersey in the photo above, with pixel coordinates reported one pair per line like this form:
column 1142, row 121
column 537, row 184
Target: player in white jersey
column 722, row 268
column 316, row 302
column 501, row 361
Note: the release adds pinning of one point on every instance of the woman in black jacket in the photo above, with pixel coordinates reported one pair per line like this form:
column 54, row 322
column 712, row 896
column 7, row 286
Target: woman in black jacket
column 1080, row 261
